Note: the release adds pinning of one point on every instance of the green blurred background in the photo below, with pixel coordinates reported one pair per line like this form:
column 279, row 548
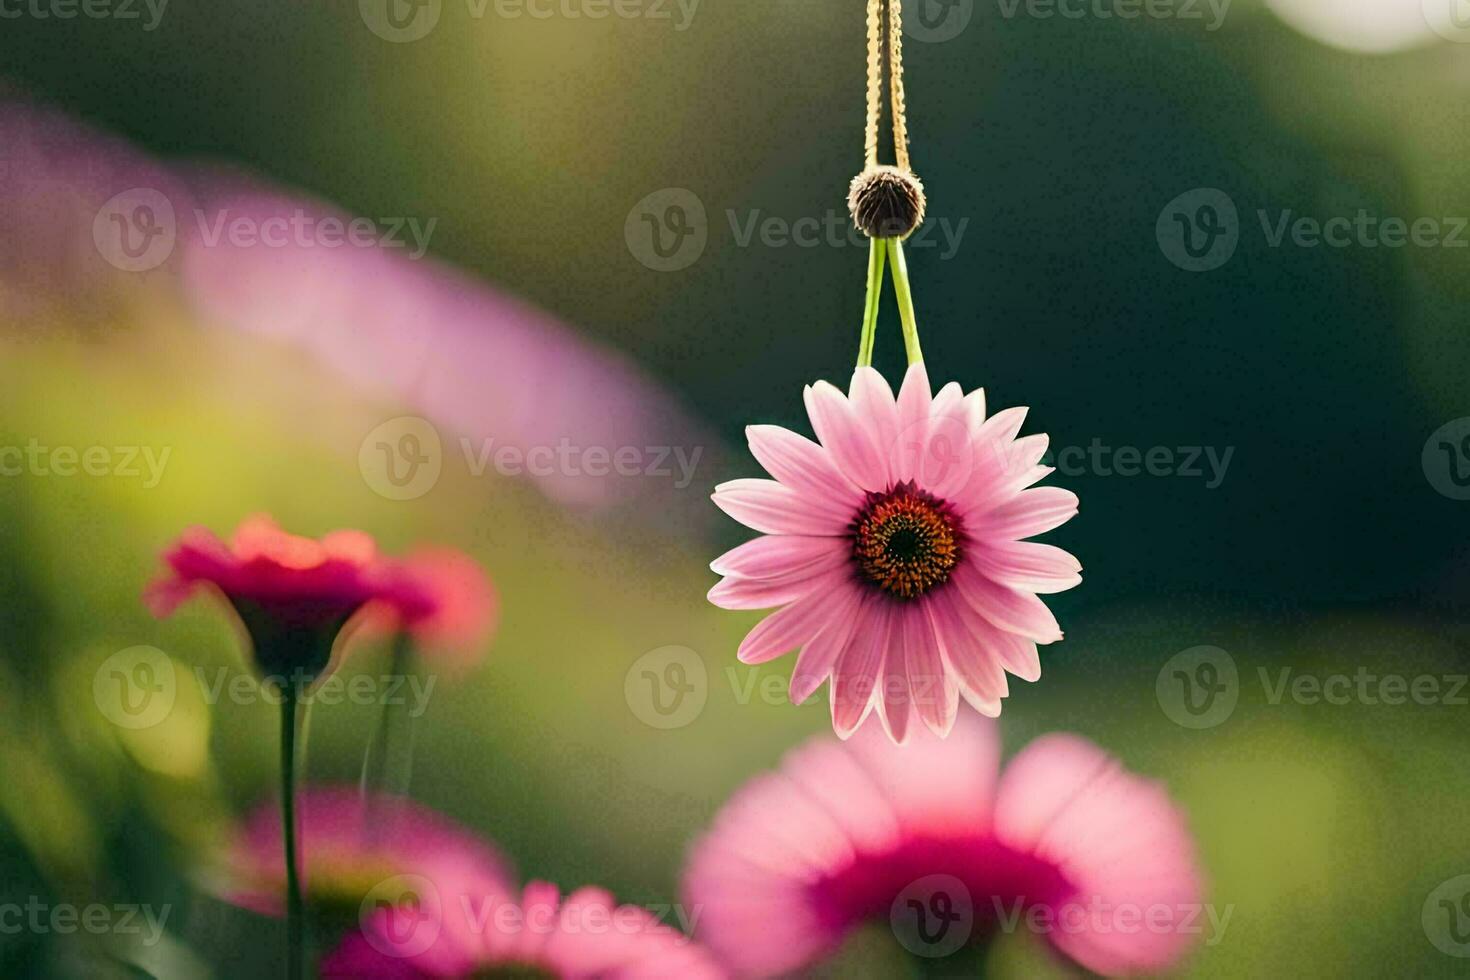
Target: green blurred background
column 1052, row 147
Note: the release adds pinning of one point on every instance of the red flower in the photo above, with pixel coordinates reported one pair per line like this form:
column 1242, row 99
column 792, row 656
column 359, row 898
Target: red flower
column 293, row 594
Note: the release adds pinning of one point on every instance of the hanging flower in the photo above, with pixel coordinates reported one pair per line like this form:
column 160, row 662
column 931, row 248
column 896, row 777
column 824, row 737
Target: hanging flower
column 538, row 933
column 895, row 551
column 292, row 594
column 1066, row 842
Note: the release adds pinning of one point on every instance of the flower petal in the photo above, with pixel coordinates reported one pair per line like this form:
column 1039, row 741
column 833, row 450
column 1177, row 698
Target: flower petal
column 767, row 506
column 855, row 681
column 913, row 415
column 936, row 697
column 976, row 670
column 816, row 660
column 799, row 463
column 844, row 436
column 873, row 402
column 1030, row 512
column 1027, row 565
column 793, row 626
column 1015, row 612
column 779, row 555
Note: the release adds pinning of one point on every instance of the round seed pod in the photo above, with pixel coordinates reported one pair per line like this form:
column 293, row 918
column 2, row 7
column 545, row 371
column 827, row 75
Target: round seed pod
column 886, row 202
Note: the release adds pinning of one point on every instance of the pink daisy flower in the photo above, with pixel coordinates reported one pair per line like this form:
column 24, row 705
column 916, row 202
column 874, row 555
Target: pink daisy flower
column 1066, row 843
column 894, row 549
column 350, row 846
column 538, row 933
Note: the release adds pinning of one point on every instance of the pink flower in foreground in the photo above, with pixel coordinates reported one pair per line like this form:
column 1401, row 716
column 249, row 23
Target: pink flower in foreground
column 293, row 594
column 1066, row 842
column 536, row 934
column 356, row 851
column 894, row 549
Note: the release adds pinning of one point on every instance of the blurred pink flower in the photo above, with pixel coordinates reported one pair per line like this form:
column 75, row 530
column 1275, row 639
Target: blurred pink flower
column 356, row 850
column 583, row 936
column 505, row 377
column 894, row 549
column 845, row 834
column 92, row 221
column 454, row 625
column 293, row 594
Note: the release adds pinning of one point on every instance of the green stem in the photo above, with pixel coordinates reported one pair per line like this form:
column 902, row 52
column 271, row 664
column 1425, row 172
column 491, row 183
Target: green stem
column 295, row 947
column 388, row 765
column 905, row 302
column 877, row 251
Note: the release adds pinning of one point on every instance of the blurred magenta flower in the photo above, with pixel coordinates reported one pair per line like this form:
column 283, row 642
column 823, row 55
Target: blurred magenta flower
column 91, row 220
column 525, row 394
column 356, row 849
column 539, row 933
column 894, row 549
column 455, row 625
column 293, row 594
column 845, row 834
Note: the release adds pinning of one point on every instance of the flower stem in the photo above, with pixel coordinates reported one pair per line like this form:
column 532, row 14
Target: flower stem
column 295, row 947
column 877, row 250
column 905, row 302
column 388, row 765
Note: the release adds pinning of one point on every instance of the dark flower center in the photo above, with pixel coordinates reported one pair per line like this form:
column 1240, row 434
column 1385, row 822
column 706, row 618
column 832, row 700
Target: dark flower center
column 905, row 541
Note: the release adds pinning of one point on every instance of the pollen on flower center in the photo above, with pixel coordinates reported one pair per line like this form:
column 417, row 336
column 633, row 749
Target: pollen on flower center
column 905, row 541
